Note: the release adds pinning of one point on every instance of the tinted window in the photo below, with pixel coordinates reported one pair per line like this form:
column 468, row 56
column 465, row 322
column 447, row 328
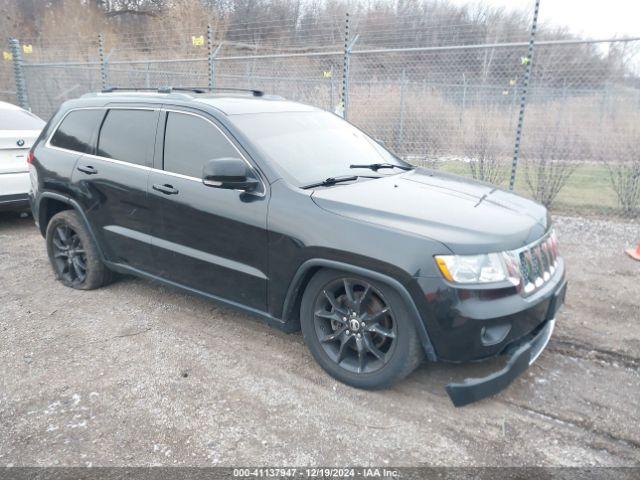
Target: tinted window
column 190, row 141
column 128, row 135
column 76, row 130
column 19, row 120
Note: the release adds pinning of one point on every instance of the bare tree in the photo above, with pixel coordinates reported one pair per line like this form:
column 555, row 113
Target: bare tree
column 484, row 148
column 625, row 179
column 546, row 168
column 622, row 159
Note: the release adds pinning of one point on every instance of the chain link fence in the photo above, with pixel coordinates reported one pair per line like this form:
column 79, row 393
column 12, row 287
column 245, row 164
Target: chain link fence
column 448, row 106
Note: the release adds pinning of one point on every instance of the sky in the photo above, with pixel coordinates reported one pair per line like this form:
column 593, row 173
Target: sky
column 586, row 18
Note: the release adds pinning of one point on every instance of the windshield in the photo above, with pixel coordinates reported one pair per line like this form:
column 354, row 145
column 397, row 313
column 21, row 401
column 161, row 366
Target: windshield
column 311, row 146
column 19, row 120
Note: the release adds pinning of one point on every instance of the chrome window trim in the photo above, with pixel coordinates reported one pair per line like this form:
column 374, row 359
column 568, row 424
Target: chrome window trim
column 118, row 162
column 145, row 167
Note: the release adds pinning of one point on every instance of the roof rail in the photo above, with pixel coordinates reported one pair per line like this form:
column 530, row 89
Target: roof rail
column 255, row 93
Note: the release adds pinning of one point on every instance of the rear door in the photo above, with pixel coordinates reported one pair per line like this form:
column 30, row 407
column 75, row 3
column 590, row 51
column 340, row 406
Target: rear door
column 206, row 238
column 111, row 184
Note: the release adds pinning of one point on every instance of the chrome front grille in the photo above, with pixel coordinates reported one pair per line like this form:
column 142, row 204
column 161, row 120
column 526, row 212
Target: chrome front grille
column 537, row 262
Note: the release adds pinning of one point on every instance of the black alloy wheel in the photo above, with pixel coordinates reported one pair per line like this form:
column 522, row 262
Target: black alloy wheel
column 360, row 331
column 70, row 258
column 73, row 254
column 355, row 325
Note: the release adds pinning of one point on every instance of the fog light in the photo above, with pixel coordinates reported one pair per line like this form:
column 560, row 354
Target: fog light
column 494, row 334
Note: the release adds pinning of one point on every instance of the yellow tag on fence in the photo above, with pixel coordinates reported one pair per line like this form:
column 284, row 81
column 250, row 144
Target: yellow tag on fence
column 197, row 41
column 327, row 74
column 27, row 48
column 7, row 56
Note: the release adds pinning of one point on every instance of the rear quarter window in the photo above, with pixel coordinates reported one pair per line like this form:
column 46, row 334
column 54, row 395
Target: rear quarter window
column 77, row 130
column 128, row 135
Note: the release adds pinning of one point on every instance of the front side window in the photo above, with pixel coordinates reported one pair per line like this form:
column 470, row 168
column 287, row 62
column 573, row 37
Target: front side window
column 76, row 130
column 128, row 135
column 190, row 141
column 19, row 120
column 314, row 145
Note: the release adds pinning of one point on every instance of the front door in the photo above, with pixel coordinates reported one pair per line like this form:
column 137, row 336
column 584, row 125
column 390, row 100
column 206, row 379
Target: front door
column 208, row 239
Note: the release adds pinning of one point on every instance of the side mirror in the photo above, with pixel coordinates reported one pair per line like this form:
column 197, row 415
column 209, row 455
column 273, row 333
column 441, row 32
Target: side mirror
column 229, row 173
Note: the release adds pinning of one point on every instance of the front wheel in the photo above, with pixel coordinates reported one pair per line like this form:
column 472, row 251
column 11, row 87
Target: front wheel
column 358, row 330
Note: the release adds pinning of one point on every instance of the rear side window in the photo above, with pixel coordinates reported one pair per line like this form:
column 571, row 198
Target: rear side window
column 128, row 135
column 76, row 130
column 189, row 141
column 19, row 120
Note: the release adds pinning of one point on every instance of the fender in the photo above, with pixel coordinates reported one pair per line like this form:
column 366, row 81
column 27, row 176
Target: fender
column 76, row 206
column 296, row 284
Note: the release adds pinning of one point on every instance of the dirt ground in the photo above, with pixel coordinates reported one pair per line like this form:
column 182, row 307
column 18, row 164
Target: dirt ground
column 139, row 374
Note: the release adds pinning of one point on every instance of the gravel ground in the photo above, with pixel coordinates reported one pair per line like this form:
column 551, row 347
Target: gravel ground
column 139, row 374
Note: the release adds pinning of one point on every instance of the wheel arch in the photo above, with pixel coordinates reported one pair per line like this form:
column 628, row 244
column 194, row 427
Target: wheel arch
column 51, row 203
column 310, row 267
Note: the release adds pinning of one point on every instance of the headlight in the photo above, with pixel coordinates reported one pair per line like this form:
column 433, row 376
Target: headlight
column 486, row 268
column 527, row 268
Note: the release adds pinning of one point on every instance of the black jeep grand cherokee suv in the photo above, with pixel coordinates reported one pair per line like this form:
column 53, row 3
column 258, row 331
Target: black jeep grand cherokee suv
column 292, row 214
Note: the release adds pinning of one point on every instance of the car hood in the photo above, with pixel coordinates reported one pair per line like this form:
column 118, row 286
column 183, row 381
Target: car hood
column 466, row 216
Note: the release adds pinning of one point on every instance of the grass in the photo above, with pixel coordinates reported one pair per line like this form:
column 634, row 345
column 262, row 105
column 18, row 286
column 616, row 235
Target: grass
column 588, row 190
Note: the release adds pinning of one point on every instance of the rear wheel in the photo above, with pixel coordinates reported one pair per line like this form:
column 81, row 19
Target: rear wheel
column 359, row 330
column 73, row 254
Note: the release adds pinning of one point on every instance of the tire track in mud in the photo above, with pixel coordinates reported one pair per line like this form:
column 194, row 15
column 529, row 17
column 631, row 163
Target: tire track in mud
column 571, row 348
column 579, row 424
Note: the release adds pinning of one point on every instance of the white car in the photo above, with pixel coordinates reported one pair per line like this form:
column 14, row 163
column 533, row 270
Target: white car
column 19, row 129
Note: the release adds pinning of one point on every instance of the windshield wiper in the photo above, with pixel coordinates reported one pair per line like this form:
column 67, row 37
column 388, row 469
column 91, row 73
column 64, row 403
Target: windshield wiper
column 332, row 181
column 377, row 166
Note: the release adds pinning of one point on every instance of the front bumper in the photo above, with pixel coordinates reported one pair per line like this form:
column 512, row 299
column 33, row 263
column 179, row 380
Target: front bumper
column 523, row 353
column 477, row 323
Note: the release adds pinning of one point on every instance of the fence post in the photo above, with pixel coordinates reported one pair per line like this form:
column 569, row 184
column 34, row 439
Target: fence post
column 211, row 72
column 212, row 53
column 18, row 71
column 333, row 90
column 348, row 46
column 463, row 105
column 104, row 78
column 523, row 99
column 147, row 77
column 403, row 84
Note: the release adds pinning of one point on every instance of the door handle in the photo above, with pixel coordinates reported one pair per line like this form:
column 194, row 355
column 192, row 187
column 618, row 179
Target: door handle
column 166, row 189
column 88, row 169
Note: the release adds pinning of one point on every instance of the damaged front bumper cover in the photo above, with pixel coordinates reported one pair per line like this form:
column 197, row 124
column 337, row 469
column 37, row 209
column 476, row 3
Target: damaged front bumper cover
column 523, row 355
column 474, row 389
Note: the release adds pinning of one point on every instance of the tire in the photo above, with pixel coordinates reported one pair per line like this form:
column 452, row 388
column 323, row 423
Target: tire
column 391, row 346
column 73, row 253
